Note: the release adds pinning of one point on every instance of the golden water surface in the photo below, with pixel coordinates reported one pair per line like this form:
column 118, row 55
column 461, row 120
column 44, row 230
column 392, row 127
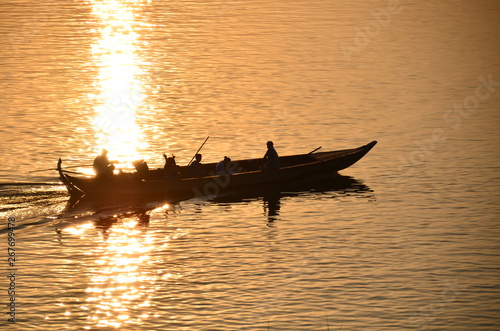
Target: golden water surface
column 411, row 245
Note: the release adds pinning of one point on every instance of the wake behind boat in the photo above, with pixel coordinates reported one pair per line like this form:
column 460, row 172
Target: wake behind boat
column 247, row 176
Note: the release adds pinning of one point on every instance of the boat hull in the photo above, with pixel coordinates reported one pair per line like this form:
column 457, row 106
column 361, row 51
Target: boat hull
column 294, row 168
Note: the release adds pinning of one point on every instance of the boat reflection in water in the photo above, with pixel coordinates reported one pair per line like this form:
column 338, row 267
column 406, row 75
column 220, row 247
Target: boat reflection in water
column 272, row 195
column 123, row 277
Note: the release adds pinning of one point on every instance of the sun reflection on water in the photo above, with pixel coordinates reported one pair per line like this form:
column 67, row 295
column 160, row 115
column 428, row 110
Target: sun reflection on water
column 121, row 286
column 119, row 81
column 124, row 267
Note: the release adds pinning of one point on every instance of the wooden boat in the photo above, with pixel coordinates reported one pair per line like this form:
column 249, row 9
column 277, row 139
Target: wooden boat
column 135, row 186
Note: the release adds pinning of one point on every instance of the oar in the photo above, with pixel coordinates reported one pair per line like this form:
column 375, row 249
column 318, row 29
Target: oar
column 199, row 149
column 314, row 150
column 77, row 166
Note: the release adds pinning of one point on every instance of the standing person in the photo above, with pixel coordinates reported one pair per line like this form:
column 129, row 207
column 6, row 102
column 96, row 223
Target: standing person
column 103, row 168
column 272, row 158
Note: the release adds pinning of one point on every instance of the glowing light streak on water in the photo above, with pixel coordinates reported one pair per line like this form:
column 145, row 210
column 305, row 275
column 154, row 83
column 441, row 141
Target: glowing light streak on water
column 119, row 80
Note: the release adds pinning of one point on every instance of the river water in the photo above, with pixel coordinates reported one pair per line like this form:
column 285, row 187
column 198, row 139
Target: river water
column 408, row 241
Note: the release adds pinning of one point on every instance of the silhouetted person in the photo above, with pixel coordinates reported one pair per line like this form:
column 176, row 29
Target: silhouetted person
column 222, row 167
column 142, row 168
column 102, row 166
column 170, row 169
column 196, row 170
column 272, row 158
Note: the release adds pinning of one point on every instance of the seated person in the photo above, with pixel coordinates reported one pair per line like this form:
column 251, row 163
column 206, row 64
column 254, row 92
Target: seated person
column 223, row 168
column 103, row 167
column 195, row 168
column 170, row 169
column 142, row 168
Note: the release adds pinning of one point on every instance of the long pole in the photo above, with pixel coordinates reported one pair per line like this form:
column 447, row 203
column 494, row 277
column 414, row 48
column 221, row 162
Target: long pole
column 314, row 150
column 199, row 149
